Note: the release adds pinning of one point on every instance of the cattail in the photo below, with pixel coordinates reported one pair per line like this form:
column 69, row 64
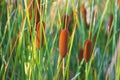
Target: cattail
column 87, row 50
column 38, row 35
column 66, row 19
column 37, row 13
column 109, row 24
column 63, row 42
column 84, row 14
column 119, row 4
column 80, row 55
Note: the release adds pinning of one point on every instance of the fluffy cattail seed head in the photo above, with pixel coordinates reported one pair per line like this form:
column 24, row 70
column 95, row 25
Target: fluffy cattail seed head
column 87, row 50
column 63, row 42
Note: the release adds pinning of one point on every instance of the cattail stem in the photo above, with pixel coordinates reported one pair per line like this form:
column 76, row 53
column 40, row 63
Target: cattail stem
column 58, row 65
column 86, row 71
column 63, row 66
column 59, row 59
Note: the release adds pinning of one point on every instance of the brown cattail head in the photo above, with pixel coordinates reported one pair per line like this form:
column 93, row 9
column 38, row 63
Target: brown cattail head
column 109, row 24
column 84, row 14
column 66, row 20
column 119, row 4
column 83, row 10
column 38, row 35
column 87, row 50
column 80, row 55
column 63, row 42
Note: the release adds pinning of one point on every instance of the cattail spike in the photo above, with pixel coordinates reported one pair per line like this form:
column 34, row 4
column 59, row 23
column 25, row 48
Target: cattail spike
column 80, row 55
column 87, row 50
column 63, row 42
column 38, row 34
column 84, row 14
